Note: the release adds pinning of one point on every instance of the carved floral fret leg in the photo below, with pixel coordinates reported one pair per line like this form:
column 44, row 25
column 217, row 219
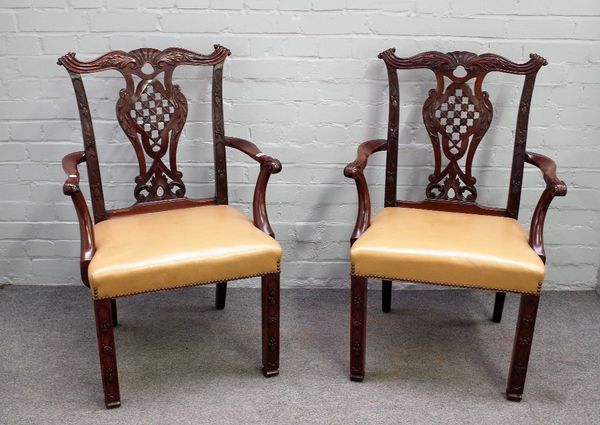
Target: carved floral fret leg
column 221, row 295
column 522, row 346
column 270, row 324
column 386, row 296
column 498, row 307
column 358, row 327
column 108, row 355
column 113, row 309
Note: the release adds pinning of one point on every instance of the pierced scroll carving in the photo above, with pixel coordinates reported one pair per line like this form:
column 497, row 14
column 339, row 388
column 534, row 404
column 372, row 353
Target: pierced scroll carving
column 457, row 116
column 152, row 113
column 152, row 117
column 456, row 121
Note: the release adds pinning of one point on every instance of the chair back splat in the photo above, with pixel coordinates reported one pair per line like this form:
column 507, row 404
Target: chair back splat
column 152, row 113
column 457, row 114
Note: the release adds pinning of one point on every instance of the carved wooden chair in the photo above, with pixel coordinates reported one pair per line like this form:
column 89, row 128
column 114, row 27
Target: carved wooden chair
column 166, row 240
column 448, row 238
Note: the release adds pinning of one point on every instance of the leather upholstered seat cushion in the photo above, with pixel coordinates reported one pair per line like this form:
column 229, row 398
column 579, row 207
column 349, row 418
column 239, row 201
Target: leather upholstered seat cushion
column 447, row 248
column 175, row 248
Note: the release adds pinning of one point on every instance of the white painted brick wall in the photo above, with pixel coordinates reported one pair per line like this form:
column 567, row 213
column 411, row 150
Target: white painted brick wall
column 304, row 83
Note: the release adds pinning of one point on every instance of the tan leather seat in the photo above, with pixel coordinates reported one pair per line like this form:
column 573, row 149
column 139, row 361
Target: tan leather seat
column 445, row 248
column 177, row 248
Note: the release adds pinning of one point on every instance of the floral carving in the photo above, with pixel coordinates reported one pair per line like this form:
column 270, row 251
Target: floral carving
column 473, row 63
column 457, row 117
column 456, row 120
column 152, row 115
column 272, row 297
column 273, row 344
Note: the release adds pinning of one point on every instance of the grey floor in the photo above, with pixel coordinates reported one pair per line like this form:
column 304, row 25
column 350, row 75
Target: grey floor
column 436, row 358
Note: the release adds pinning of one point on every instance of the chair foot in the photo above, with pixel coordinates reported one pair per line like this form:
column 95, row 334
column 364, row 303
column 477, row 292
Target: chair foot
column 358, row 327
column 270, row 324
column 107, row 352
column 113, row 405
column 522, row 346
column 386, row 297
column 221, row 295
column 270, row 373
column 357, row 377
column 514, row 397
column 498, row 307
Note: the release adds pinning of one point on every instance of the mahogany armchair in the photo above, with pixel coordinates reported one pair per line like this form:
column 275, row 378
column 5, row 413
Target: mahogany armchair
column 166, row 240
column 448, row 238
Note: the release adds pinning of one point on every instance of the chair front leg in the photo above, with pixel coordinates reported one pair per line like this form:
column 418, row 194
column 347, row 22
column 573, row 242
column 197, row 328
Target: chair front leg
column 522, row 346
column 270, row 324
column 221, row 295
column 358, row 327
column 386, row 296
column 498, row 307
column 108, row 355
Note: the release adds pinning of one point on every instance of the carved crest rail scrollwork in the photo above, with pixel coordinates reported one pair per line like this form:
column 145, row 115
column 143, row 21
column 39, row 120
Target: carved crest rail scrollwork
column 151, row 112
column 457, row 114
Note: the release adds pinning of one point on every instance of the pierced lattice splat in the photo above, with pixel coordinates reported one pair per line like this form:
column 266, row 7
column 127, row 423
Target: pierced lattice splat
column 454, row 143
column 151, row 112
column 456, row 122
column 456, row 115
column 153, row 116
column 456, row 118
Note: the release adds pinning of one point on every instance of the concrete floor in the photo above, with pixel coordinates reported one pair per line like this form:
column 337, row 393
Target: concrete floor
column 436, row 358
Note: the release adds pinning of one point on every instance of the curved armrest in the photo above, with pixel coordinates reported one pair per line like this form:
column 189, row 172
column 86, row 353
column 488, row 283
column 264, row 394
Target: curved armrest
column 268, row 166
column 554, row 187
column 354, row 170
column 253, row 152
column 86, row 226
column 69, row 164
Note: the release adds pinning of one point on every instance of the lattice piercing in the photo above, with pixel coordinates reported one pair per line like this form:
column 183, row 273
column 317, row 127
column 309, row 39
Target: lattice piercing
column 456, row 121
column 152, row 112
column 456, row 116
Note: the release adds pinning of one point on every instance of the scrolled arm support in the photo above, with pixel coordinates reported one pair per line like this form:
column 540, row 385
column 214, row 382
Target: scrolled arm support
column 69, row 164
column 354, row 170
column 86, row 226
column 554, row 187
column 268, row 166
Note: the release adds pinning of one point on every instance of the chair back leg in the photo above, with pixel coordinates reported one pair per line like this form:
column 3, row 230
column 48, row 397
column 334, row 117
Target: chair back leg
column 386, row 296
column 270, row 324
column 108, row 355
column 522, row 346
column 498, row 307
column 221, row 295
column 358, row 327
column 113, row 309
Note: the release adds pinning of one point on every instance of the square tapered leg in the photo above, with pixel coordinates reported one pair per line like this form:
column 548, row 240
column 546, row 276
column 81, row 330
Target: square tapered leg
column 270, row 324
column 358, row 327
